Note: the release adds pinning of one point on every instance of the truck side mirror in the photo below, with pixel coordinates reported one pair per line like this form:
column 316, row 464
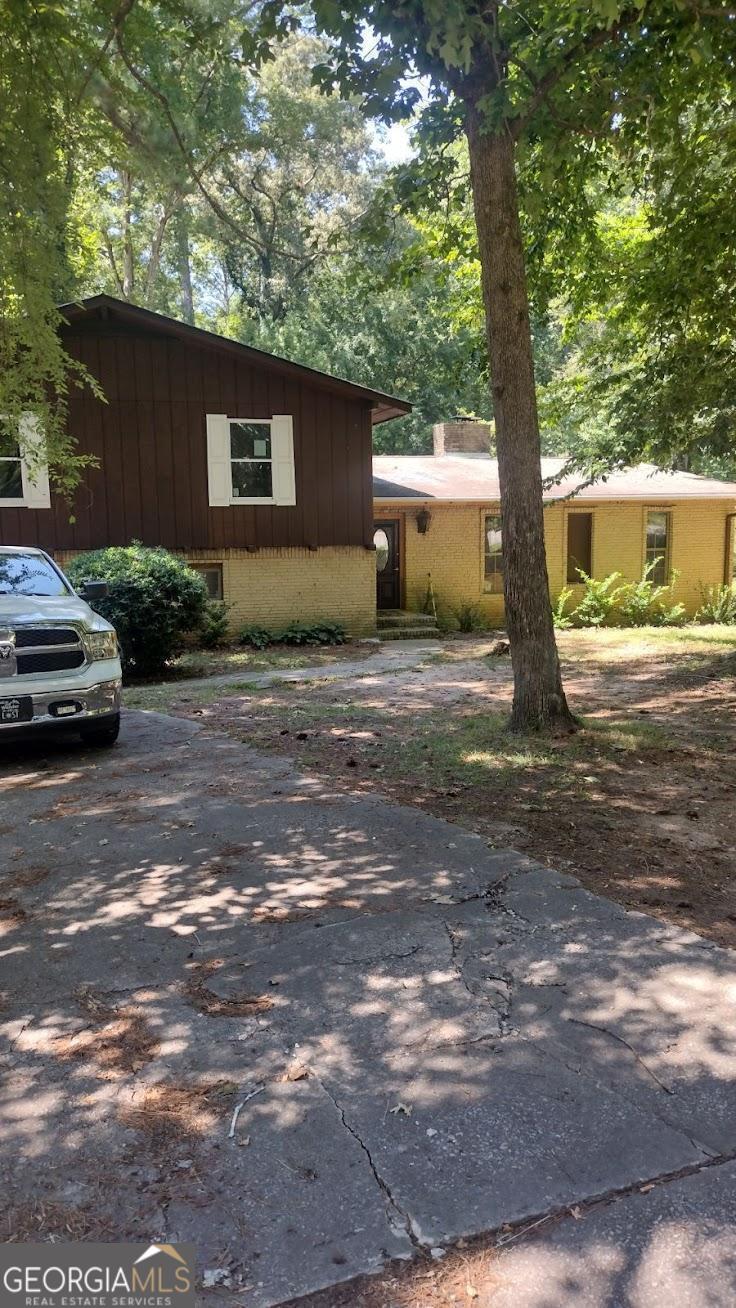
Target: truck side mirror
column 94, row 590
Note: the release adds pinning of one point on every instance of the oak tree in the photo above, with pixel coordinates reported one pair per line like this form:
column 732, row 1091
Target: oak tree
column 514, row 75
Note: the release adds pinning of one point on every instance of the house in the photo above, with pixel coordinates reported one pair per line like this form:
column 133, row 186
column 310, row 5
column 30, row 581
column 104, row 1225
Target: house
column 439, row 515
column 255, row 469
column 258, row 472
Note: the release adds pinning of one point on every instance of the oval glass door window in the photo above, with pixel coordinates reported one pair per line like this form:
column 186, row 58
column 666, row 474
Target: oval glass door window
column 380, row 540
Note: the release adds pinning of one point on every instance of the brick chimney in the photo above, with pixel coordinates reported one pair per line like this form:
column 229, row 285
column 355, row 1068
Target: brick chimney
column 462, row 436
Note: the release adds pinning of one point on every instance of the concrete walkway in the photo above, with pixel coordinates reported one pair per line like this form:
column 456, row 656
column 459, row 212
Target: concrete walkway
column 428, row 1039
column 397, row 656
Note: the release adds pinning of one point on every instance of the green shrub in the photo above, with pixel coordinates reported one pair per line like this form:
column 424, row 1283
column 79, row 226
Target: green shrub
column 613, row 602
column 718, row 604
column 597, row 607
column 646, row 604
column 560, row 618
column 469, row 617
column 325, row 632
column 214, row 627
column 256, row 637
column 155, row 599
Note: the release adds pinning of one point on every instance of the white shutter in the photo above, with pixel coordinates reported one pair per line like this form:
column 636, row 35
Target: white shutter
column 282, row 451
column 34, row 468
column 219, row 468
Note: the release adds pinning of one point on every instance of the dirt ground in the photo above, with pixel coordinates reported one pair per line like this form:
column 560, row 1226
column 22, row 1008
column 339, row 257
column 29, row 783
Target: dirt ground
column 238, row 658
column 640, row 803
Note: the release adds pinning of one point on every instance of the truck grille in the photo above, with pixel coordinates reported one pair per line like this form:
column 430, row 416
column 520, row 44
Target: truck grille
column 28, row 637
column 48, row 649
column 56, row 660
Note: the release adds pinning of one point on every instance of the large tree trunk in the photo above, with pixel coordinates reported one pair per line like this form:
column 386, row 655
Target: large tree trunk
column 184, row 266
column 539, row 699
column 128, row 254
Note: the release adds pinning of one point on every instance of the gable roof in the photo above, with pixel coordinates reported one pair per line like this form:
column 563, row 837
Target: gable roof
column 383, row 406
column 475, row 477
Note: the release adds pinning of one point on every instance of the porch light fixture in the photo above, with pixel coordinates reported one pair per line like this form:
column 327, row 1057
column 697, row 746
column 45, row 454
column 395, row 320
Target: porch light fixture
column 423, row 519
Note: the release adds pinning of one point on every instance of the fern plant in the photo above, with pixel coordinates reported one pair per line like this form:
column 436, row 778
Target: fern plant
column 597, row 608
column 645, row 603
column 560, row 618
column 718, row 604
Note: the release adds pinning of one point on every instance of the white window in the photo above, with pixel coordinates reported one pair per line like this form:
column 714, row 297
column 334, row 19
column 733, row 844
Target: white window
column 657, row 551
column 250, row 460
column 24, row 475
column 493, row 563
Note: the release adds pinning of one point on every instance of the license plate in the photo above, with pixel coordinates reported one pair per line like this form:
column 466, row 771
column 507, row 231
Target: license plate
column 19, row 709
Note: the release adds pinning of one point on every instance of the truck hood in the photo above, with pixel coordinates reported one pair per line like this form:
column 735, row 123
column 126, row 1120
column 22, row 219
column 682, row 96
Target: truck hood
column 31, row 610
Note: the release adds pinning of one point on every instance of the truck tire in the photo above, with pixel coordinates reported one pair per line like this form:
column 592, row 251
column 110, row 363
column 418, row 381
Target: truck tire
column 103, row 736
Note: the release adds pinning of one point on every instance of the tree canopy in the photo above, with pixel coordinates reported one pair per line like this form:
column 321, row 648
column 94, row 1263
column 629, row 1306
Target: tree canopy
column 184, row 158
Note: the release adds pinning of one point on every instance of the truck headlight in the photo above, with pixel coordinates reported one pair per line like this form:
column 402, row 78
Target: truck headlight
column 101, row 645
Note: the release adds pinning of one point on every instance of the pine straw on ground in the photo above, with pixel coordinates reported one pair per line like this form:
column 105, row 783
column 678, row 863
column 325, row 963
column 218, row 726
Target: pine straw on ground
column 118, row 1041
column 170, row 1112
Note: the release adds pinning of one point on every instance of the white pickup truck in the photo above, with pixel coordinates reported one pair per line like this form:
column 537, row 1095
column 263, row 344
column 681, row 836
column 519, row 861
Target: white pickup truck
column 59, row 660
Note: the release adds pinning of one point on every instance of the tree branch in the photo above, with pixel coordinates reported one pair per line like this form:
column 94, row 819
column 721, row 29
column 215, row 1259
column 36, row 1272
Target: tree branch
column 710, row 11
column 549, row 80
column 119, row 17
column 195, row 174
column 113, row 264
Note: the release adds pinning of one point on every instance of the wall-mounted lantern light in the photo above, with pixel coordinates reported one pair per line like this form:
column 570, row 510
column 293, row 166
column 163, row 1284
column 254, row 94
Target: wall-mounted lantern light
column 424, row 517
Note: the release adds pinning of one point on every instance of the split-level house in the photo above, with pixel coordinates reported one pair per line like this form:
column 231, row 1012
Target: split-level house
column 260, row 473
column 255, row 469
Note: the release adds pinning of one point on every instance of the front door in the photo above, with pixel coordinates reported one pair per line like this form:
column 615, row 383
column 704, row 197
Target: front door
column 388, row 577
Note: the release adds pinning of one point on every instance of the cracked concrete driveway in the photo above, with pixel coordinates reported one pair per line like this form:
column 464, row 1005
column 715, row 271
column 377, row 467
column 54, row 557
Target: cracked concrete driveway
column 313, row 1032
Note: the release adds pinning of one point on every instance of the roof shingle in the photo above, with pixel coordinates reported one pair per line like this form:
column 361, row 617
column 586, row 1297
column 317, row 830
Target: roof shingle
column 475, row 477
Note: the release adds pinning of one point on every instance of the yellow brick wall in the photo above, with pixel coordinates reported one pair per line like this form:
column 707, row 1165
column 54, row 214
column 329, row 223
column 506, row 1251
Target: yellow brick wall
column 452, row 549
column 275, row 586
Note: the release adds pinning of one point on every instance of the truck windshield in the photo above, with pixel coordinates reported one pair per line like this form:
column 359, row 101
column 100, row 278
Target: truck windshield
column 29, row 574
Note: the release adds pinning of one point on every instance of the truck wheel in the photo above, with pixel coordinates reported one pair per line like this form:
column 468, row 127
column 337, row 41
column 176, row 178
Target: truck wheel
column 103, row 736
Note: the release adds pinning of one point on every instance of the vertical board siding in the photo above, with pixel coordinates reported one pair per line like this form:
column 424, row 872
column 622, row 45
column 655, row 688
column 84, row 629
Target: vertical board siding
column 149, row 436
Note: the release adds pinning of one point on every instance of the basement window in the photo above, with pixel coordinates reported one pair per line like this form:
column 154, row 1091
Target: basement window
column 211, row 574
column 579, row 547
column 493, row 564
column 657, row 547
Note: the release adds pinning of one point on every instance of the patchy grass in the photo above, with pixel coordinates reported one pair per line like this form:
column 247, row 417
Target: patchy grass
column 623, row 643
column 186, row 685
column 161, row 698
column 196, row 663
column 607, row 644
column 472, row 747
column 638, row 803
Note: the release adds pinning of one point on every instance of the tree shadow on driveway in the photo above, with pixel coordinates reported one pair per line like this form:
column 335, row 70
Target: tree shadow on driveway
column 427, row 1038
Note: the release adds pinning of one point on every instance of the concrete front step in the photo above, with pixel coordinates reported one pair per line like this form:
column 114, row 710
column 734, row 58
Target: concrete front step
column 401, row 618
column 408, row 633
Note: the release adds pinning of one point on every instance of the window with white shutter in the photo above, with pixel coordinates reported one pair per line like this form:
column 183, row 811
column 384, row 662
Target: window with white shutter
column 24, row 474
column 250, row 460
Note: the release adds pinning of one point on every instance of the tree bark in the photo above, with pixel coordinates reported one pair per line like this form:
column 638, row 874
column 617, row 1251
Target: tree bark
column 154, row 259
column 184, row 267
column 128, row 255
column 539, row 699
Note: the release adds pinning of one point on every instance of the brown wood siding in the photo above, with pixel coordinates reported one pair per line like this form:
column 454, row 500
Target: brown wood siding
column 150, row 439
